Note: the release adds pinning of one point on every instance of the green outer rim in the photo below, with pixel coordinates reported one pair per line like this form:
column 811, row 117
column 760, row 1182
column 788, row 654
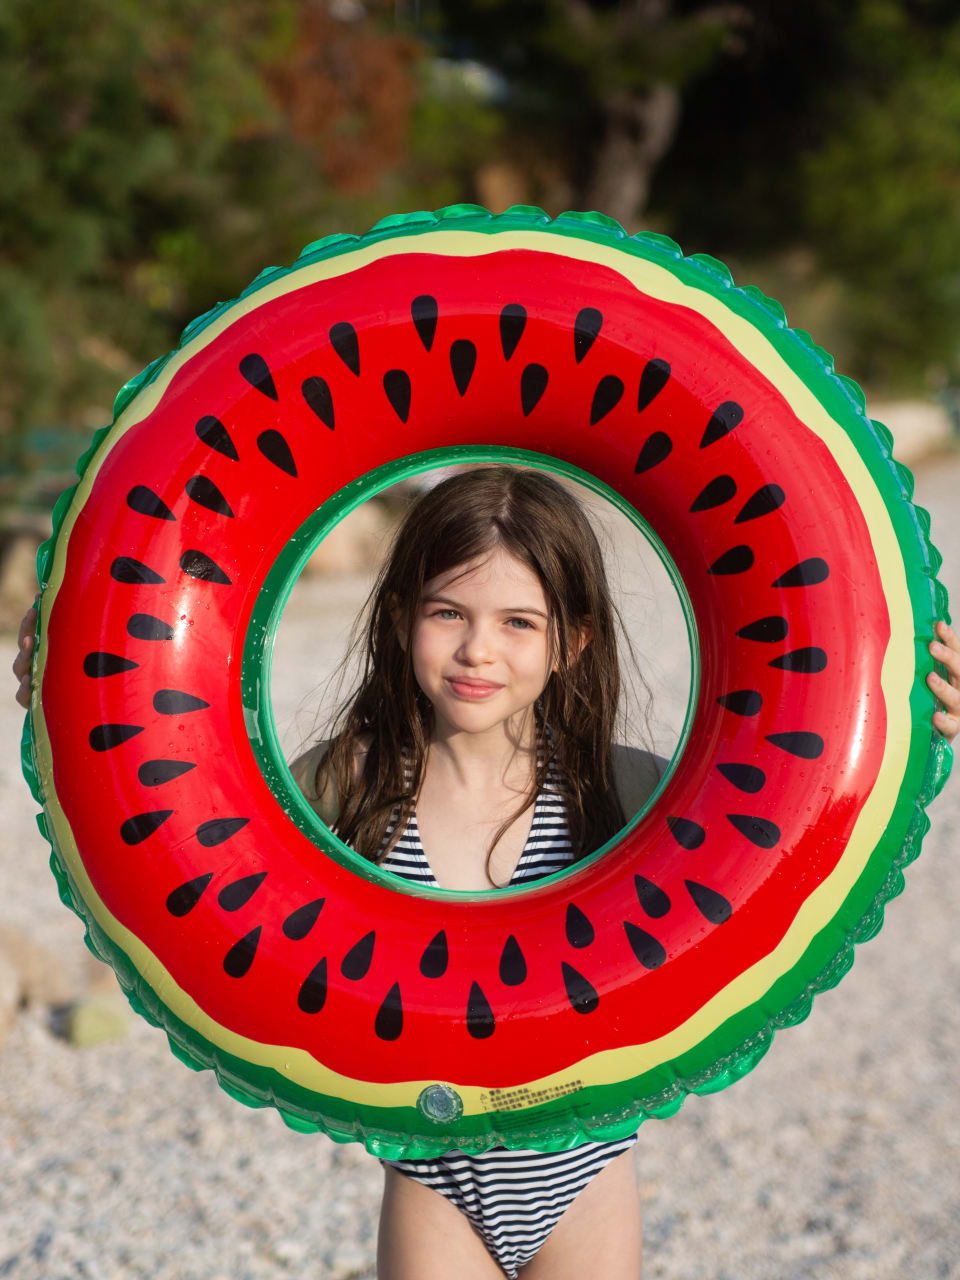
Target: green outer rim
column 613, row 1110
column 255, row 676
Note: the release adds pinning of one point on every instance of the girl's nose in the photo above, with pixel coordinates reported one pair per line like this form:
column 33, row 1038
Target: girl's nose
column 476, row 646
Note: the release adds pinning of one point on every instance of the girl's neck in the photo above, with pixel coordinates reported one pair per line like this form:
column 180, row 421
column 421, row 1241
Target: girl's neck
column 485, row 760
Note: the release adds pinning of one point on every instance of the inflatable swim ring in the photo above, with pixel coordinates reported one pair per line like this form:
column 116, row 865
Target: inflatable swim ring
column 415, row 1020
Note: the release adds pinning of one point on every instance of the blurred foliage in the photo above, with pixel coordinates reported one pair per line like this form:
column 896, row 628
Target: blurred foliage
column 156, row 157
column 822, row 157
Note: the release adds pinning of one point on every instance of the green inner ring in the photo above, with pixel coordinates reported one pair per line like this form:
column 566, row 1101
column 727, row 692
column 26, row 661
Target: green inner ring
column 261, row 634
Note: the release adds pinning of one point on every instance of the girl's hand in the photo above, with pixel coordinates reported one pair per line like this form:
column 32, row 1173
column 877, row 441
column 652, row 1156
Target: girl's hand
column 946, row 649
column 24, row 658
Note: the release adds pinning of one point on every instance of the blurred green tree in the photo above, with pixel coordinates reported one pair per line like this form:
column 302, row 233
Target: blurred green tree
column 590, row 90
column 822, row 157
column 156, row 157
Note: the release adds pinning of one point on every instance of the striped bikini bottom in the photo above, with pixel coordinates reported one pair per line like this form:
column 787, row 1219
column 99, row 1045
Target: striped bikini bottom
column 513, row 1199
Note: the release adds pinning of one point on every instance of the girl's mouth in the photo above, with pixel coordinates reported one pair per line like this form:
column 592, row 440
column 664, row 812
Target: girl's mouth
column 475, row 692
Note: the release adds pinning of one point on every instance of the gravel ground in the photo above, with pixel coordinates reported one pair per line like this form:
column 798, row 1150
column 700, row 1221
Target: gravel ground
column 837, row 1159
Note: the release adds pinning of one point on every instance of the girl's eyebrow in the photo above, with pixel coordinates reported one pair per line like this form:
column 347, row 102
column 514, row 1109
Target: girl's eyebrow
column 456, row 604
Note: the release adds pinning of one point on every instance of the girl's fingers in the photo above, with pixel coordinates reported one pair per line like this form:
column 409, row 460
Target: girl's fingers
column 946, row 650
column 23, row 693
column 21, row 663
column 946, row 691
column 28, row 625
column 947, row 725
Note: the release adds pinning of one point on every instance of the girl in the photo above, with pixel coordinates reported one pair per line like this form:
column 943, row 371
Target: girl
column 477, row 752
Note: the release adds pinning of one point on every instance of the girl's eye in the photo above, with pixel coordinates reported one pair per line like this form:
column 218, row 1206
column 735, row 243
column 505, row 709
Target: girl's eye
column 523, row 624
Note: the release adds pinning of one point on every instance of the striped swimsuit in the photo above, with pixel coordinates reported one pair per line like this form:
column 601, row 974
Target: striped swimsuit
column 513, row 1199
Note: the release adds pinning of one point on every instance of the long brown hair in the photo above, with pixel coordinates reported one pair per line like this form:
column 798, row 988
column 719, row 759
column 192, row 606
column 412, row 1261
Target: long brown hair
column 536, row 520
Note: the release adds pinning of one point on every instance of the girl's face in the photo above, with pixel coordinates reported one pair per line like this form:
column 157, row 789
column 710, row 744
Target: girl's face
column 482, row 650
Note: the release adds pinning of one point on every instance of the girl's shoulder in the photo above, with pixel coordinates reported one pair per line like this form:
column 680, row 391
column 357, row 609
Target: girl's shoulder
column 636, row 774
column 321, row 791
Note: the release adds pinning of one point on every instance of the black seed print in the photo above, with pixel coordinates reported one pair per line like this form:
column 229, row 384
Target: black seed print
column 239, row 958
column 343, row 339
column 389, row 1020
column 396, row 384
column 146, row 503
column 579, row 930
column 513, row 321
column 217, row 830
column 126, row 569
column 533, row 383
column 807, row 661
column 587, row 325
column 142, row 825
column 759, row 831
column 154, row 773
column 606, row 397
column 765, row 630
column 186, row 896
column 275, row 449
column 736, row 560
column 199, row 565
column 724, row 419
column 742, row 702
column 720, row 490
column 651, row 897
column 655, row 376
column 144, row 626
column 357, row 960
column 765, row 500
column 106, row 736
column 257, row 372
column 805, row 574
column 299, row 923
column 513, row 966
column 656, row 447
column 712, row 906
column 480, row 1022
column 423, row 312
column 213, row 433
column 174, row 702
column 433, row 962
column 206, row 494
column 582, row 996
column 688, row 834
column 106, row 664
column 463, row 361
column 313, row 993
column 318, row 396
column 745, row 777
column 237, row 894
column 807, row 746
column 648, row 950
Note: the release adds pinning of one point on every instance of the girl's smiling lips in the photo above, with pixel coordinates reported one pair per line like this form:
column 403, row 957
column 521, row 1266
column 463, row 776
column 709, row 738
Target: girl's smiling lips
column 471, row 687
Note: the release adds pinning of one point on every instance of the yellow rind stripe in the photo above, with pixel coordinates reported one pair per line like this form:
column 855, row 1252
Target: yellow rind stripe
column 612, row 1065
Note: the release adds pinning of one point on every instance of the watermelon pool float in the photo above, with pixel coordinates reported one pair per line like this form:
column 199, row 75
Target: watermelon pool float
column 416, row 1020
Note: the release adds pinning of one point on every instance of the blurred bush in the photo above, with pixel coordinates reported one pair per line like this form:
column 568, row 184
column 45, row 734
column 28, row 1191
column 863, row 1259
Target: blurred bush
column 156, row 157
